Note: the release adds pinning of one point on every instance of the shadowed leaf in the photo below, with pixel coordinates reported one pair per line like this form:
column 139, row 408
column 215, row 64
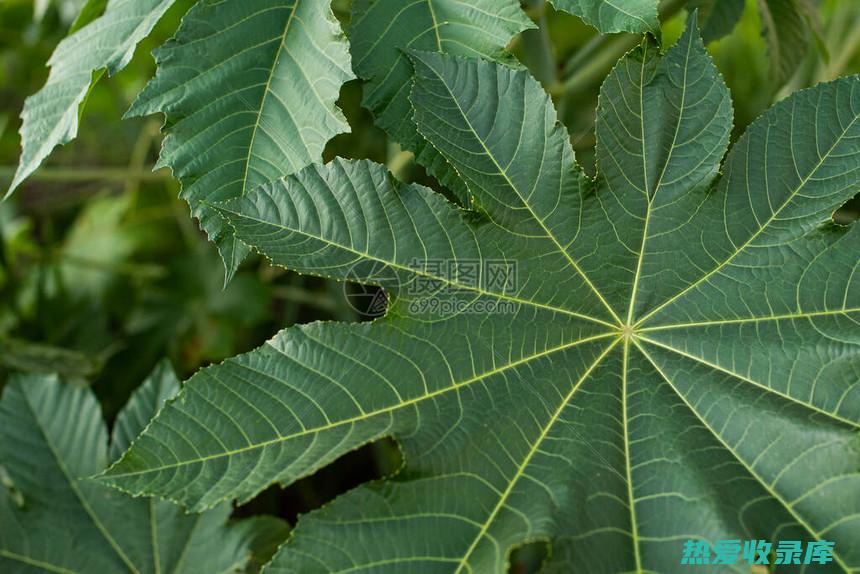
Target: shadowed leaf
column 52, row 439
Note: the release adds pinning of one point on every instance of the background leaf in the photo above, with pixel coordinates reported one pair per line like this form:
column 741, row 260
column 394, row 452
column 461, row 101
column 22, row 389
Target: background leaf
column 787, row 26
column 89, row 11
column 52, row 440
column 717, row 18
column 32, row 357
column 51, row 116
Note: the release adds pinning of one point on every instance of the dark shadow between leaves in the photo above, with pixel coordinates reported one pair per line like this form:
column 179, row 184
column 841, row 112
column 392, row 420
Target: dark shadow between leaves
column 372, row 461
column 528, row 557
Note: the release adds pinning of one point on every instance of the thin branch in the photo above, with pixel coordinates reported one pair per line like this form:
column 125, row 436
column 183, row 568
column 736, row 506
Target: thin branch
column 71, row 174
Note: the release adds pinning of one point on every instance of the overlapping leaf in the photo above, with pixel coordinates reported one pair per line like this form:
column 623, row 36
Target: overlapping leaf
column 614, row 15
column 50, row 117
column 382, row 31
column 55, row 520
column 787, row 27
column 249, row 90
column 676, row 357
column 718, row 18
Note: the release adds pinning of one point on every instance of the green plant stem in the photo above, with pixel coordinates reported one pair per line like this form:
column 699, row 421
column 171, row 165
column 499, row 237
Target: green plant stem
column 184, row 221
column 584, row 54
column 137, row 270
column 303, row 296
column 89, row 174
column 596, row 66
column 137, row 159
column 537, row 46
column 833, row 69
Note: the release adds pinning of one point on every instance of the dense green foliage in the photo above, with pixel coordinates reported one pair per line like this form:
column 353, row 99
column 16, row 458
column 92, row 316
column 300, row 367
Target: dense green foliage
column 617, row 313
column 52, row 440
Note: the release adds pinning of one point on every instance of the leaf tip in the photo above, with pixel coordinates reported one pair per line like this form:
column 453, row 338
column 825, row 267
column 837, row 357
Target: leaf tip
column 21, row 173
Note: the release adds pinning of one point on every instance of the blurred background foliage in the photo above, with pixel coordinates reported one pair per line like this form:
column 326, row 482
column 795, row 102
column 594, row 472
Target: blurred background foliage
column 103, row 272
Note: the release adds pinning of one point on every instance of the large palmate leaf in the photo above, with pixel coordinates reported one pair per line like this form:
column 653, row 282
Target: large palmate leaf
column 249, row 90
column 50, row 117
column 611, row 365
column 55, row 520
column 383, row 30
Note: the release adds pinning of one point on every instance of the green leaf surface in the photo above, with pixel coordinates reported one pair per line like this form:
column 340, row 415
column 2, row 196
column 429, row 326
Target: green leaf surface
column 383, row 31
column 249, row 89
column 676, row 356
column 51, row 439
column 614, row 15
column 50, row 117
column 787, row 27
